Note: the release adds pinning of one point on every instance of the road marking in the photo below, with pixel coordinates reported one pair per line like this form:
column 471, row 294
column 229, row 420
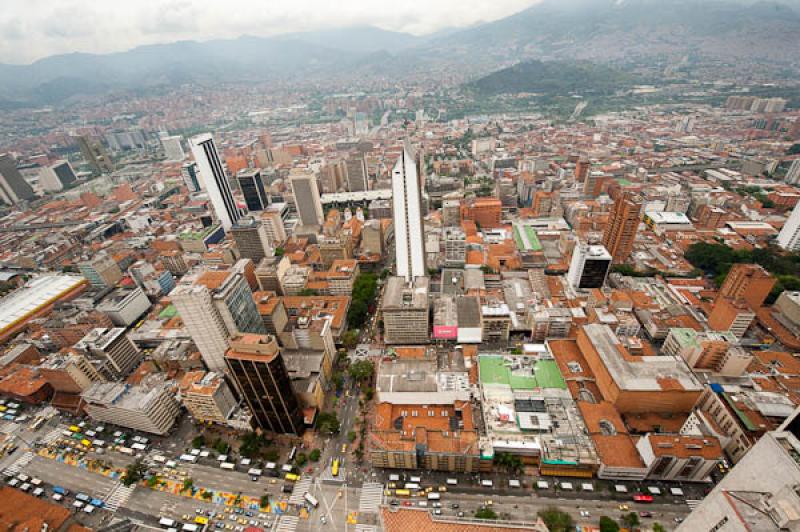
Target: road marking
column 19, row 463
column 371, row 497
column 693, row 503
column 287, row 523
column 301, row 487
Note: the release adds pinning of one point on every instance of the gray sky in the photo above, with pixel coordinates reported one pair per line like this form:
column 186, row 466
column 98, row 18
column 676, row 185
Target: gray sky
column 32, row 29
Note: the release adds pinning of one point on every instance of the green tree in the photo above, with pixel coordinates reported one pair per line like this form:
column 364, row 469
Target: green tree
column 658, row 527
column 264, row 501
column 362, row 370
column 328, row 423
column 485, row 513
column 315, row 455
column 279, row 252
column 357, row 315
column 198, row 441
column 351, row 436
column 338, row 380
column 308, row 292
column 608, row 525
column 134, row 472
column 300, row 459
column 207, row 495
column 153, row 481
column 350, row 338
column 630, row 520
column 221, row 446
column 272, row 454
column 188, row 484
column 369, row 393
column 556, row 520
column 250, row 445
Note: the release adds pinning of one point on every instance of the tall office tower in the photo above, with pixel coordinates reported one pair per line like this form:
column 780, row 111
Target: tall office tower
column 793, row 174
column 356, row 173
column 589, row 267
column 409, row 234
column 273, row 225
column 252, row 186
column 102, row 271
column 306, row 198
column 95, row 155
column 214, row 306
column 214, row 180
column 172, row 147
column 251, row 239
column 623, row 222
column 789, row 237
column 119, row 354
column 190, row 178
column 13, row 187
column 750, row 282
column 257, row 366
column 56, row 176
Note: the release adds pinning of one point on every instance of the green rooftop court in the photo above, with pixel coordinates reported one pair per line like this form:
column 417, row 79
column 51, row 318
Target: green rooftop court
column 168, row 312
column 526, row 238
column 496, row 369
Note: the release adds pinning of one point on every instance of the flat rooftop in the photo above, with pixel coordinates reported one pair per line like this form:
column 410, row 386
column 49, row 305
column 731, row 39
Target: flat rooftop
column 36, row 294
column 520, row 372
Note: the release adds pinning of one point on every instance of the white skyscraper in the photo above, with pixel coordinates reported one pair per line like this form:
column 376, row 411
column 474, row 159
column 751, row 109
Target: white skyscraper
column 306, row 198
column 172, row 148
column 789, row 237
column 407, row 211
column 215, row 182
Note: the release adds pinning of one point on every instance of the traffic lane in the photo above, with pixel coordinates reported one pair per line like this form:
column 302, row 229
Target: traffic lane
column 72, row 478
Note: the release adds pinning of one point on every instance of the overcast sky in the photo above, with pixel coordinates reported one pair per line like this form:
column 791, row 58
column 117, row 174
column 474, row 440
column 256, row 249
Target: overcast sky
column 32, row 29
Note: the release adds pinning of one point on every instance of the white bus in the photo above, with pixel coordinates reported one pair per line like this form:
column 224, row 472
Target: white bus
column 416, row 479
column 452, row 482
column 188, row 458
column 487, row 483
column 253, row 472
column 227, row 466
column 139, row 446
column 190, row 527
column 434, row 496
column 411, row 486
column 310, row 499
column 159, row 459
column 394, row 478
column 166, row 522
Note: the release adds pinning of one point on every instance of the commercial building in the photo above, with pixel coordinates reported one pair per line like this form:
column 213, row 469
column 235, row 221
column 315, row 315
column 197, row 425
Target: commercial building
column 405, row 311
column 760, row 492
column 356, row 170
column 788, row 304
column 101, row 271
column 455, row 247
column 256, row 364
column 69, row 373
column 789, row 237
column 589, row 267
column 13, row 187
column 272, row 220
column 485, row 212
column 149, row 408
column 214, row 306
column 124, row 306
column 207, row 397
column 252, row 186
column 251, row 239
column 717, row 352
column 190, row 178
column 95, row 155
column 623, row 223
column 172, row 147
column 119, row 354
column 56, row 176
column 661, row 222
column 306, row 199
column 215, row 182
column 679, row 458
column 749, row 282
column 407, row 214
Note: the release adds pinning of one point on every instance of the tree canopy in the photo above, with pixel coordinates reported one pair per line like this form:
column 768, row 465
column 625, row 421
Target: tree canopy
column 556, row 520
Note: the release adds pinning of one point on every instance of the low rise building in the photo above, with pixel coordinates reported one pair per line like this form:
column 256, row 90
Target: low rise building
column 148, row 408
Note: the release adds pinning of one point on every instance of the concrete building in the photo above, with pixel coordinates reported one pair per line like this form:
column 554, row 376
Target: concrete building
column 405, row 311
column 717, row 352
column 125, row 306
column 760, row 492
column 455, row 247
column 173, row 150
column 372, row 238
column 749, row 282
column 589, row 267
column 119, row 355
column 356, row 170
column 733, row 315
column 95, row 155
column 306, row 199
column 101, row 271
column 485, row 212
column 256, row 364
column 190, row 177
column 70, row 373
column 273, row 225
column 788, row 304
column 56, row 176
column 252, row 186
column 793, row 174
column 214, row 306
column 623, row 224
column 250, row 235
column 207, row 397
column 679, row 458
column 789, row 237
column 146, row 408
column 409, row 232
column 214, row 180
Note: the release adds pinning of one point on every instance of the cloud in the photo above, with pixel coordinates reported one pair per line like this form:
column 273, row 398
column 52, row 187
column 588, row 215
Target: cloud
column 31, row 29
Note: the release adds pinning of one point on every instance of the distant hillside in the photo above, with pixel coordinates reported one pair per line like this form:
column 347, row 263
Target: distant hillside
column 553, row 77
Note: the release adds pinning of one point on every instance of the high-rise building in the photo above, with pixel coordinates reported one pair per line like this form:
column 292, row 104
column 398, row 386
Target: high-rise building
column 405, row 311
column 251, row 239
column 13, row 187
column 256, row 364
column 56, row 176
column 172, row 147
column 750, row 282
column 102, row 271
column 214, row 306
column 119, row 354
column 793, row 174
column 207, row 396
column 150, row 409
column 589, row 267
column 485, row 212
column 356, row 173
column 623, row 223
column 95, row 155
column 214, row 180
column 409, row 234
column 789, row 237
column 190, row 179
column 252, row 186
column 306, row 198
column 273, row 225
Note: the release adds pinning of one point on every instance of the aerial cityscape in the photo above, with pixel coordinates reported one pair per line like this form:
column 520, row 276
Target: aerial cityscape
column 480, row 267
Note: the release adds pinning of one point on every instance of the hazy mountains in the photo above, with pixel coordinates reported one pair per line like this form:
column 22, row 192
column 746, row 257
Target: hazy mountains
column 618, row 31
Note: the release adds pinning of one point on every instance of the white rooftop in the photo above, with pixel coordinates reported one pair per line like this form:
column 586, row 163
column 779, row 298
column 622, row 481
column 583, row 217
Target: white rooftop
column 35, row 294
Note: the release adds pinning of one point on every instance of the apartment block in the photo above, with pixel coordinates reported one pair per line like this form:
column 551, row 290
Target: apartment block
column 405, row 311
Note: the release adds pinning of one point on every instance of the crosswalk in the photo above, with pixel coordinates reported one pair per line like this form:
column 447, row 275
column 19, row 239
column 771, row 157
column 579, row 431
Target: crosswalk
column 301, row 487
column 51, row 436
column 19, row 463
column 693, row 503
column 371, row 497
column 365, row 528
column 9, row 427
column 118, row 496
column 287, row 523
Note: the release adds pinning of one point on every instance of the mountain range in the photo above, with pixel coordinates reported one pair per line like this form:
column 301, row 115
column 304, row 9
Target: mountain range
column 739, row 32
